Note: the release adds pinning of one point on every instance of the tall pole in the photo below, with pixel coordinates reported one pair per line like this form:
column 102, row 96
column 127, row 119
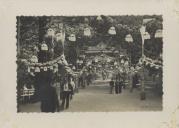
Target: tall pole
column 143, row 94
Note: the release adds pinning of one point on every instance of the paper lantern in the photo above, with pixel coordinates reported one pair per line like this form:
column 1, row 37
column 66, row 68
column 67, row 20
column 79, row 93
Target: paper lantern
column 72, row 38
column 37, row 69
column 129, row 38
column 112, row 31
column 60, row 37
column 126, row 63
column 77, row 61
column 87, row 32
column 146, row 35
column 158, row 34
column 50, row 32
column 44, row 47
column 122, row 61
column 45, row 68
column 73, row 68
column 108, row 60
column 96, row 60
column 34, row 59
column 89, row 63
column 115, row 63
column 81, row 61
column 99, row 18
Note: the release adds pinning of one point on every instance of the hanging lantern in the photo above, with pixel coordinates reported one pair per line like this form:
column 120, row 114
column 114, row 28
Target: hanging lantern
column 112, row 31
column 99, row 18
column 142, row 30
column 37, row 69
column 129, row 38
column 60, row 37
column 158, row 33
column 34, row 59
column 89, row 63
column 72, row 38
column 44, row 47
column 87, row 32
column 77, row 61
column 146, row 35
column 81, row 62
column 122, row 61
column 50, row 32
column 115, row 63
column 96, row 60
column 73, row 68
column 108, row 60
column 126, row 63
column 45, row 68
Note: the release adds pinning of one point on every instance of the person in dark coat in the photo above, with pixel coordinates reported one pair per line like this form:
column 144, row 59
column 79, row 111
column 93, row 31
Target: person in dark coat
column 135, row 81
column 111, row 84
column 49, row 99
column 117, row 86
column 48, row 94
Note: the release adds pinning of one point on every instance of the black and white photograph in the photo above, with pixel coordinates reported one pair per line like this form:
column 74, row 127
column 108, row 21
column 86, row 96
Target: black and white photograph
column 100, row 63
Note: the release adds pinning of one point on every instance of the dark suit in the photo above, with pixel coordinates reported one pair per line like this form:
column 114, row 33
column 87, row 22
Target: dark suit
column 49, row 99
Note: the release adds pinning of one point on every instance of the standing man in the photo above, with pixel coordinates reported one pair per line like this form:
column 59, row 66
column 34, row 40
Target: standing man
column 111, row 84
column 66, row 93
column 117, row 85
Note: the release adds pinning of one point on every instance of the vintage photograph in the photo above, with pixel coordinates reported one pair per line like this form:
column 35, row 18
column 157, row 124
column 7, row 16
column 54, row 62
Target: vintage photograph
column 100, row 63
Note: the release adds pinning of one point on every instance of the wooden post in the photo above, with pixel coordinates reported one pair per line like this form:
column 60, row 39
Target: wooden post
column 142, row 94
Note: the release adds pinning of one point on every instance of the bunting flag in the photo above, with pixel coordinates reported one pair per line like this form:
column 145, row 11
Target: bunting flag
column 34, row 66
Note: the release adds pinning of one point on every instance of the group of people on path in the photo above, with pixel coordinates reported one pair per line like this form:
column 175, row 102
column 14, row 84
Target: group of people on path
column 119, row 81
